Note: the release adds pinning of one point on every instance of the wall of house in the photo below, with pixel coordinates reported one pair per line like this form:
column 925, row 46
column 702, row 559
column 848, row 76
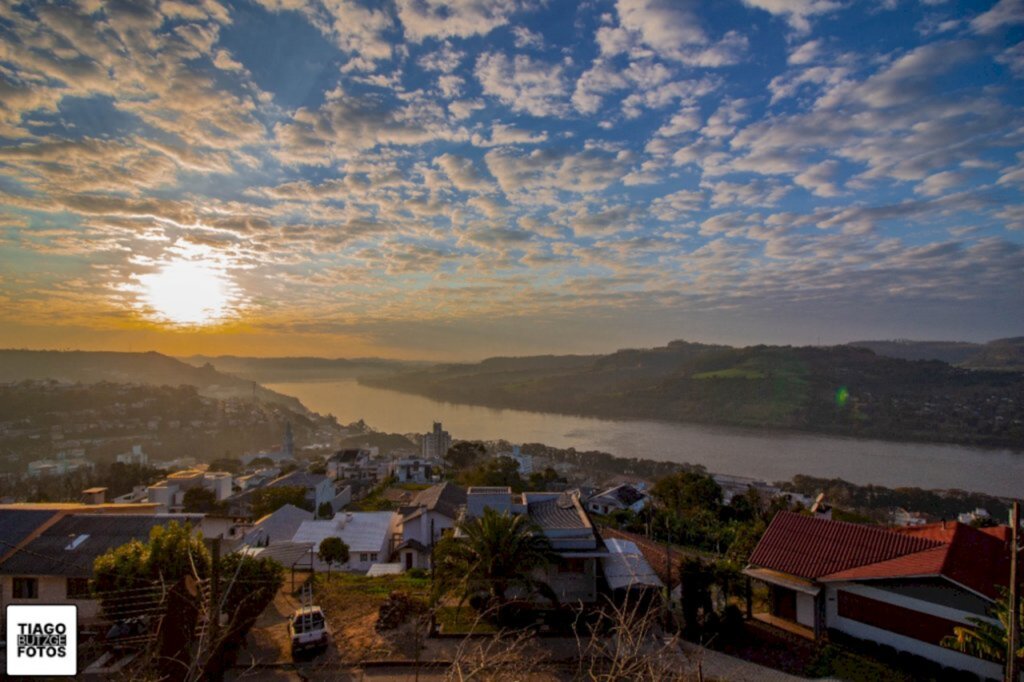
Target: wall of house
column 805, row 609
column 904, row 625
column 52, row 590
column 571, row 586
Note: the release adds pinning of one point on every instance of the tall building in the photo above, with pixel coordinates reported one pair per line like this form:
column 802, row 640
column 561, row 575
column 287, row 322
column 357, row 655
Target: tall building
column 436, row 443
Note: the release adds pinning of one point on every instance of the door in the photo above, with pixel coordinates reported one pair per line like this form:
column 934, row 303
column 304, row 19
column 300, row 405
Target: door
column 408, row 560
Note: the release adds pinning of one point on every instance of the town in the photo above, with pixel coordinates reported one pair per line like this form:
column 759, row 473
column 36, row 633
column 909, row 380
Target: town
column 366, row 551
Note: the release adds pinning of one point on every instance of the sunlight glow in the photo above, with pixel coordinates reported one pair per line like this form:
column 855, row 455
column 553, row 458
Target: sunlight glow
column 188, row 293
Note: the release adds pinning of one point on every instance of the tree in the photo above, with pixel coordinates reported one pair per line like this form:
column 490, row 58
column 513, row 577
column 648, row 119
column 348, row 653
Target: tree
column 465, row 454
column 333, row 550
column 687, row 491
column 496, row 553
column 986, row 640
column 268, row 500
column 260, row 462
column 500, row 471
column 228, row 464
column 202, row 501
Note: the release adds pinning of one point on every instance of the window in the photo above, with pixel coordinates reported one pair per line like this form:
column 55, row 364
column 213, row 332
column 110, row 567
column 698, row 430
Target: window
column 78, row 588
column 364, row 557
column 25, row 588
column 571, row 566
column 373, row 556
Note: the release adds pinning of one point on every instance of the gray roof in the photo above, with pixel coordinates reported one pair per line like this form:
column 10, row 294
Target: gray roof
column 278, row 526
column 443, row 498
column 298, row 478
column 288, row 554
column 626, row 568
column 624, row 494
column 556, row 512
column 70, row 546
column 18, row 524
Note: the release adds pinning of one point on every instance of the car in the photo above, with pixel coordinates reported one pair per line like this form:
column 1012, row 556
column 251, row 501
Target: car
column 307, row 628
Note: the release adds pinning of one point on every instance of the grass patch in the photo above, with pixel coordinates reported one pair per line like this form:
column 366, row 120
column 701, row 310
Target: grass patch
column 462, row 620
column 731, row 373
column 413, row 487
column 351, row 603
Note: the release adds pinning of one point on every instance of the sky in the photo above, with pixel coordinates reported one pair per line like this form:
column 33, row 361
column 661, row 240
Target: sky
column 460, row 179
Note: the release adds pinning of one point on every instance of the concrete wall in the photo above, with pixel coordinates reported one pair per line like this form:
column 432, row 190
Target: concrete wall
column 938, row 654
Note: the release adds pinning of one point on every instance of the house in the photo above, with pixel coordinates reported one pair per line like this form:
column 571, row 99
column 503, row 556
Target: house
column 906, row 588
column 620, row 498
column 563, row 520
column 367, row 534
column 278, row 526
column 169, row 494
column 414, row 469
column 971, row 518
column 902, row 517
column 318, row 490
column 52, row 563
column 57, row 467
column 136, row 456
column 736, row 486
column 524, row 461
column 424, row 520
column 352, row 463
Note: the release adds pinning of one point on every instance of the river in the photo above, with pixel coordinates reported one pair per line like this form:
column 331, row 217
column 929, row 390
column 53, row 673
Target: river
column 771, row 456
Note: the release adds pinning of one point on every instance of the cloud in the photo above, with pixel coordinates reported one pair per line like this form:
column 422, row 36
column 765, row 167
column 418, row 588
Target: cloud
column 424, row 19
column 523, row 84
column 463, row 173
column 796, row 12
column 1003, row 13
column 548, row 168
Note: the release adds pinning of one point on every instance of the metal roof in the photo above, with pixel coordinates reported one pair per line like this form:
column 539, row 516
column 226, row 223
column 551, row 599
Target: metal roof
column 625, row 567
column 361, row 531
column 278, row 525
column 444, row 498
column 18, row 524
column 70, row 546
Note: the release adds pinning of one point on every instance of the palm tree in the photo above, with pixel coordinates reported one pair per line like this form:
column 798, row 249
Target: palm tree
column 492, row 556
column 985, row 639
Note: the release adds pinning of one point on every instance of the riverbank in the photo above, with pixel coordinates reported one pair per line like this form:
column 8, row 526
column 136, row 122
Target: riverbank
column 766, row 455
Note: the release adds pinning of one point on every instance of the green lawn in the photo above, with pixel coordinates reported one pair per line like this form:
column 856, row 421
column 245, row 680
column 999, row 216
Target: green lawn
column 732, row 373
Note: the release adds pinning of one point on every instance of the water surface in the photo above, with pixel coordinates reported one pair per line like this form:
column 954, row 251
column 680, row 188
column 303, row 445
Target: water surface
column 768, row 455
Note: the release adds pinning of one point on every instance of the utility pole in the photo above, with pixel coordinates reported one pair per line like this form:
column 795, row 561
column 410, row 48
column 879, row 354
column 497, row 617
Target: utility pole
column 215, row 593
column 1013, row 634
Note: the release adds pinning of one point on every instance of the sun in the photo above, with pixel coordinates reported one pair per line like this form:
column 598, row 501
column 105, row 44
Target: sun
column 188, row 293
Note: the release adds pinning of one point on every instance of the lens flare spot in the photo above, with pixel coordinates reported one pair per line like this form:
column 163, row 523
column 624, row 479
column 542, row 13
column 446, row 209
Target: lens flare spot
column 842, row 396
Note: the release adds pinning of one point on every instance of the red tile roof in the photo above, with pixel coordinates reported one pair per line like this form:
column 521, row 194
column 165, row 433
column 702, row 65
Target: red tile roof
column 811, row 548
column 976, row 558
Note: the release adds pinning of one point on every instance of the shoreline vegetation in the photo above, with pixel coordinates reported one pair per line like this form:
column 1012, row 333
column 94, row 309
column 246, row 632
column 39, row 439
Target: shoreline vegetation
column 835, row 391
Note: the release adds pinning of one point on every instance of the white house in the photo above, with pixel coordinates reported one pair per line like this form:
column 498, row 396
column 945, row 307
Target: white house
column 367, row 534
column 619, row 498
column 906, row 588
column 414, row 469
column 424, row 520
column 524, row 461
column 136, row 456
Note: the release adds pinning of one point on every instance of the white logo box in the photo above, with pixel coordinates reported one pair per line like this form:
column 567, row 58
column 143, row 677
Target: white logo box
column 42, row 639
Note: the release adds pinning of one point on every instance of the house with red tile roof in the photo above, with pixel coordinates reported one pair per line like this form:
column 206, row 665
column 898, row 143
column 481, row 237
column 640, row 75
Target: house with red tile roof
column 906, row 588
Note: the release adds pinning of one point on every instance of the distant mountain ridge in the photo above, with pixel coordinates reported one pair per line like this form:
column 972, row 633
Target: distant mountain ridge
column 1001, row 354
column 843, row 390
column 301, row 368
column 151, row 368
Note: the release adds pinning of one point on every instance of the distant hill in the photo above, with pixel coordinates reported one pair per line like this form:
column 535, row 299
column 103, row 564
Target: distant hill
column 842, row 389
column 1001, row 354
column 281, row 370
column 136, row 368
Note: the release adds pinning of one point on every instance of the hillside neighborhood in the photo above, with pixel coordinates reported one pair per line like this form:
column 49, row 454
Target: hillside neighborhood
column 766, row 576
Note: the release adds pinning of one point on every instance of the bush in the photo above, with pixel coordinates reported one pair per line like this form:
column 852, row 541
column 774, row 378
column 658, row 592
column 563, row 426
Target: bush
column 417, row 573
column 399, row 607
